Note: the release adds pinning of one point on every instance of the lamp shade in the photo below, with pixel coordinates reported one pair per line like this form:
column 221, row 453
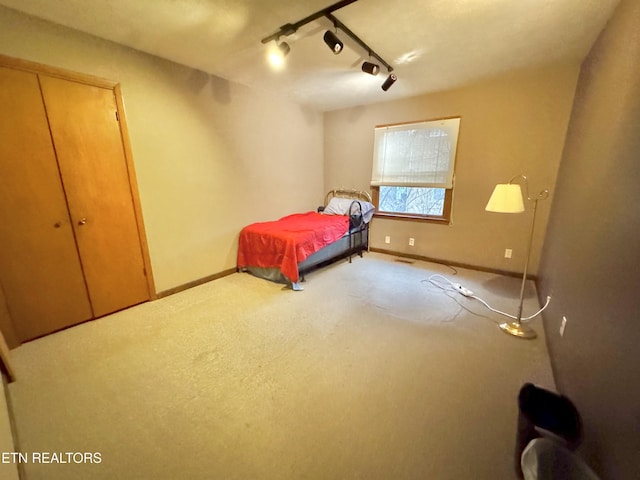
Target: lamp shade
column 506, row 198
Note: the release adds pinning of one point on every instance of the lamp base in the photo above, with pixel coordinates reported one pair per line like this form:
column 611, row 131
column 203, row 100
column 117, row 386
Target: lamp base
column 519, row 330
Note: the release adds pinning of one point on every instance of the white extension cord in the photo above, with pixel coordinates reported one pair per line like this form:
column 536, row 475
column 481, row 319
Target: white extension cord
column 460, row 289
column 456, row 287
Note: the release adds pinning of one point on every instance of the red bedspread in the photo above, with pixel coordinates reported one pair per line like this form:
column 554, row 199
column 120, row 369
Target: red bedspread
column 286, row 242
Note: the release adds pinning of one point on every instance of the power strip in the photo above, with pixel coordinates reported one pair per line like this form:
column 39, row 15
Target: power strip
column 463, row 291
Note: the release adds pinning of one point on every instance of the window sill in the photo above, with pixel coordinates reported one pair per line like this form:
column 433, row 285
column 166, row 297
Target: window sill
column 413, row 218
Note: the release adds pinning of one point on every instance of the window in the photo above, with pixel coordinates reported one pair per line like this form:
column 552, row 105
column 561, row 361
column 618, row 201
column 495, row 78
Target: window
column 413, row 165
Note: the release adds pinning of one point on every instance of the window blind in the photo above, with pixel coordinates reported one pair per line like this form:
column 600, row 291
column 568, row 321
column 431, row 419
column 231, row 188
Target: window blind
column 415, row 154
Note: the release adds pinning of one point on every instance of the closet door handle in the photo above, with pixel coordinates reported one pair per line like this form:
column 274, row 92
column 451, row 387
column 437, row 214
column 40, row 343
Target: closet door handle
column 57, row 225
column 82, row 221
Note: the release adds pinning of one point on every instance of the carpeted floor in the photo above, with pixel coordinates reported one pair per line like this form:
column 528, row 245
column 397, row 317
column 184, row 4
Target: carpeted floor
column 372, row 372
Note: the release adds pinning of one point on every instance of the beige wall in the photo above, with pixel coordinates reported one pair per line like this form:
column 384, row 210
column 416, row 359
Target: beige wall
column 592, row 251
column 210, row 156
column 512, row 124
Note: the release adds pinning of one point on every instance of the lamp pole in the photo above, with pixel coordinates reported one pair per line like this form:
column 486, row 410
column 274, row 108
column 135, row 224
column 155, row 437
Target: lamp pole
column 517, row 328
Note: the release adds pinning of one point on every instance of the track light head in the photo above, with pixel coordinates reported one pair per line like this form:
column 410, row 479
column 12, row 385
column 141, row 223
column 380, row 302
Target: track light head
column 277, row 54
column 284, row 49
column 391, row 79
column 333, row 42
column 370, row 68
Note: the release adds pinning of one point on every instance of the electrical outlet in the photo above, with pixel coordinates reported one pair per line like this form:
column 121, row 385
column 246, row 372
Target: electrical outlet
column 387, row 239
column 412, row 242
column 507, row 253
column 563, row 326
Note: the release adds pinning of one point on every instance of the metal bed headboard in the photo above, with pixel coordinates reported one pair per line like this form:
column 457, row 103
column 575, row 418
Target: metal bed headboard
column 355, row 194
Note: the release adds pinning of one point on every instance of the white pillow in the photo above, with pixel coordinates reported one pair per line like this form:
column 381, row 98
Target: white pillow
column 368, row 209
column 341, row 205
column 338, row 206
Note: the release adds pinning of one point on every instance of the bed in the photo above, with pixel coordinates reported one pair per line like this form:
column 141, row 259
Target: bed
column 285, row 250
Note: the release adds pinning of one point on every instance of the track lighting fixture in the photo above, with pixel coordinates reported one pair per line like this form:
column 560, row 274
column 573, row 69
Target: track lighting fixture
column 391, row 79
column 370, row 68
column 334, row 43
column 332, row 40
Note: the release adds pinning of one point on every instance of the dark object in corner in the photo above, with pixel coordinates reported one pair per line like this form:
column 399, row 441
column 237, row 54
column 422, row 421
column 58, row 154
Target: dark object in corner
column 541, row 411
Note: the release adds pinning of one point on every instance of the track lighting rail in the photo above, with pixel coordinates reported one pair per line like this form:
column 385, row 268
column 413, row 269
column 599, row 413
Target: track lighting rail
column 338, row 24
column 291, row 28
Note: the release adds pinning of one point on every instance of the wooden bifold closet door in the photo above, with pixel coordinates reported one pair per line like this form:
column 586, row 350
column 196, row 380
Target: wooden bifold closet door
column 86, row 134
column 39, row 266
column 70, row 240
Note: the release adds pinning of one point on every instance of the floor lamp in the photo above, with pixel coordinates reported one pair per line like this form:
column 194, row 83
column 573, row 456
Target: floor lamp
column 507, row 198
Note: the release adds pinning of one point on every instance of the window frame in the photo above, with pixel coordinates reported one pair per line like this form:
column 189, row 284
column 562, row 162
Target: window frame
column 445, row 218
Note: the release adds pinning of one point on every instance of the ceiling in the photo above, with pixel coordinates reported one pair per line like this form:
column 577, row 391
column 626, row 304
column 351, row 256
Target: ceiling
column 431, row 44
